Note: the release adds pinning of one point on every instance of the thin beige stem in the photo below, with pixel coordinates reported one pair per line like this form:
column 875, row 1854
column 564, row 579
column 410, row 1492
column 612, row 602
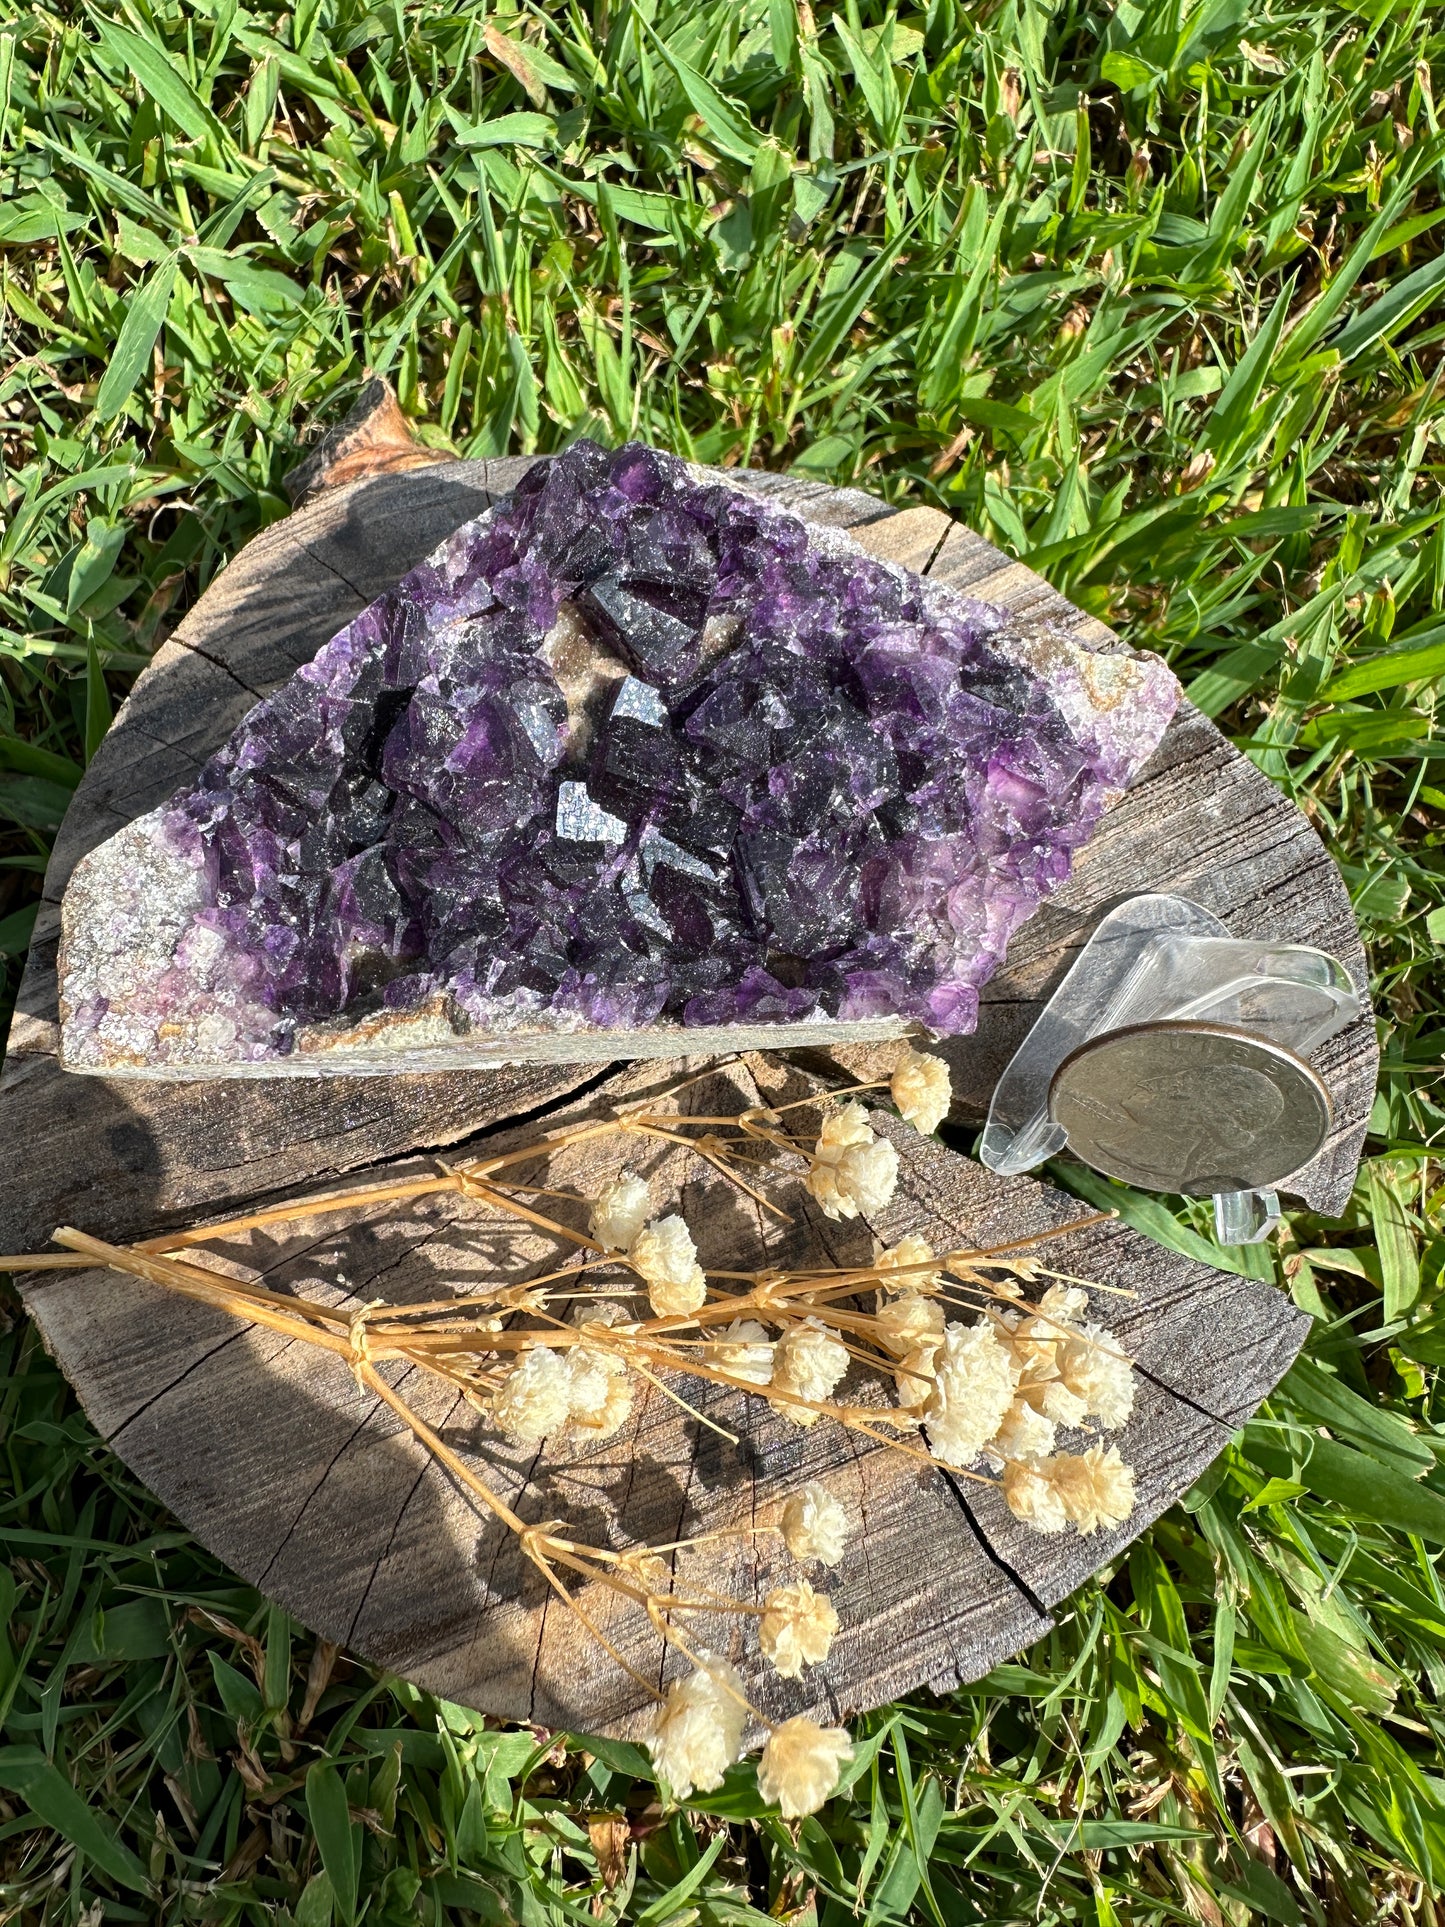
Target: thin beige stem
column 987, row 1253
column 675, row 1137
column 542, row 1565
column 843, row 1090
column 722, row 1532
column 671, row 1636
column 1092, row 1284
column 297, row 1316
column 678, row 1399
column 489, row 1194
column 354, row 1200
column 683, row 1084
column 438, row 1447
column 47, row 1261
column 573, row 1134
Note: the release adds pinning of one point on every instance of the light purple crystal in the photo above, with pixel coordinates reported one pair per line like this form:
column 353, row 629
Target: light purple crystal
column 794, row 782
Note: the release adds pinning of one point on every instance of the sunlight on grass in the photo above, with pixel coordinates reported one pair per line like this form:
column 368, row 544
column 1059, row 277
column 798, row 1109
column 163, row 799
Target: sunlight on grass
column 1152, row 295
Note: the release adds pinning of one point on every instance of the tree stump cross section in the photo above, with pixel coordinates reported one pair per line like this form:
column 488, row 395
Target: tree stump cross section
column 310, row 1487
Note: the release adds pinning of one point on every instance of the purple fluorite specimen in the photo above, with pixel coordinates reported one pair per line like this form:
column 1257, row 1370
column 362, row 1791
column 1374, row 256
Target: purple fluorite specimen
column 636, row 749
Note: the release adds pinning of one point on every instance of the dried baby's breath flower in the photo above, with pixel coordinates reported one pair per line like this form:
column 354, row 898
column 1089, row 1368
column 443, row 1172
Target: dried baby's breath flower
column 866, row 1177
column 1063, row 1303
column 914, row 1378
column 1030, row 1495
column 1095, row 1487
column 821, row 1184
column 619, row 1212
column 697, row 1733
column 815, row 1524
column 796, row 1628
column 801, row 1765
column 908, row 1322
column 744, row 1350
column 908, row 1251
column 1054, row 1399
column 600, row 1389
column 1035, row 1332
column 921, row 1089
column 535, row 1397
column 1025, row 1434
column 852, row 1170
column 1094, row 1370
column 841, row 1130
column 809, row 1361
column 974, row 1379
column 1068, row 1371
column 604, row 1311
column 847, row 1125
column 1033, row 1342
column 666, row 1257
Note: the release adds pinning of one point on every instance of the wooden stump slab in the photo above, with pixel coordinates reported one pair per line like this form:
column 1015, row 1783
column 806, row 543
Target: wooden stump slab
column 313, row 1490
column 309, row 1487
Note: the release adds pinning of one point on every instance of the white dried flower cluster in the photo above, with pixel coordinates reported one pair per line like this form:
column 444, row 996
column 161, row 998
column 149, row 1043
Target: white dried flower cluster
column 601, row 1390
column 815, row 1524
column 586, row 1389
column 851, row 1169
column 1085, row 1489
column 921, row 1089
column 619, row 1212
column 743, row 1350
column 974, row 1376
column 796, row 1628
column 666, row 1258
column 1068, row 1371
column 995, row 1392
column 1024, row 1434
column 532, row 1400
column 697, row 1733
column 905, row 1324
column 908, row 1253
column 807, row 1361
column 801, row 1765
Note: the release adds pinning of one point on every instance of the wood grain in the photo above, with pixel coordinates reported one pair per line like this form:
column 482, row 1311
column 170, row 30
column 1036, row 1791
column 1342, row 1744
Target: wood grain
column 277, row 1460
column 311, row 1489
column 1201, row 819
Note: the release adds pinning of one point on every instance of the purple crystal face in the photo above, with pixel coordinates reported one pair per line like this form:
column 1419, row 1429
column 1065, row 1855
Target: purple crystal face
column 636, row 748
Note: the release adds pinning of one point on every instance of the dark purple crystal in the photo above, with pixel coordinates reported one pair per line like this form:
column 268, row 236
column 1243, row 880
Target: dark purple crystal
column 792, row 781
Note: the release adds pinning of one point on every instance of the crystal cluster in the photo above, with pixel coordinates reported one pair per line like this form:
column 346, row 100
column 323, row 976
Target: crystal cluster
column 631, row 749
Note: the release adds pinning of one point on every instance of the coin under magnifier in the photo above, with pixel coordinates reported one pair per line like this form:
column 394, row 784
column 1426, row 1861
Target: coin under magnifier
column 1195, row 1108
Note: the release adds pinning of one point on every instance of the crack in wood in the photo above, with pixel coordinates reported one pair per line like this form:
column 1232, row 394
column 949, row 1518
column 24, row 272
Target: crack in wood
column 989, row 1550
column 1256, row 855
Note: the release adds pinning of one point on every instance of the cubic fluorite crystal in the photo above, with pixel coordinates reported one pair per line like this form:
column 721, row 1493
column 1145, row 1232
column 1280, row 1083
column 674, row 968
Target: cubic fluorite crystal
column 633, row 753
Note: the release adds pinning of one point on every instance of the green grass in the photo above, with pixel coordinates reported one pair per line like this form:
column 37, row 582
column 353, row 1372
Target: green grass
column 1153, row 295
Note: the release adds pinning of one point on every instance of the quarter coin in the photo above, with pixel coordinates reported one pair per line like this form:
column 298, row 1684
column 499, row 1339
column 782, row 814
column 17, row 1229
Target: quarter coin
column 1194, row 1108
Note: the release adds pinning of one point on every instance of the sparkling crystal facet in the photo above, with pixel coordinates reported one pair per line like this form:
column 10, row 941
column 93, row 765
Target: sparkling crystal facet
column 634, row 748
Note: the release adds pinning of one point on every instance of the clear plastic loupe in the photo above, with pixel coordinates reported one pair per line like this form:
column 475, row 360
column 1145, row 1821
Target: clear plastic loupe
column 1177, row 1057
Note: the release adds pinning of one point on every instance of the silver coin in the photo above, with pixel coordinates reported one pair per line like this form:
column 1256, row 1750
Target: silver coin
column 1195, row 1108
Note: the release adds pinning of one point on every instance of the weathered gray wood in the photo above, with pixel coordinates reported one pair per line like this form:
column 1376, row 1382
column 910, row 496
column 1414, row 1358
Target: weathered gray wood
column 309, row 1487
column 130, row 1156
column 276, row 1459
column 1201, row 819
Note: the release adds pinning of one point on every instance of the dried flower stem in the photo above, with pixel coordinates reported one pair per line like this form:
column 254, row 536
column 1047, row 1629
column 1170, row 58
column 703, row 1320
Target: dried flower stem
column 787, row 1335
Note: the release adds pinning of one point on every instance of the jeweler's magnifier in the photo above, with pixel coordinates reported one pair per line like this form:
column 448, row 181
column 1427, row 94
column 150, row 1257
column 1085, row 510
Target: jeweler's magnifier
column 1175, row 1057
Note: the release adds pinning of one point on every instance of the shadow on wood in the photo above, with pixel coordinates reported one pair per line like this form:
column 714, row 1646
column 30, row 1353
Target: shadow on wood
column 310, row 1488
column 278, row 1461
